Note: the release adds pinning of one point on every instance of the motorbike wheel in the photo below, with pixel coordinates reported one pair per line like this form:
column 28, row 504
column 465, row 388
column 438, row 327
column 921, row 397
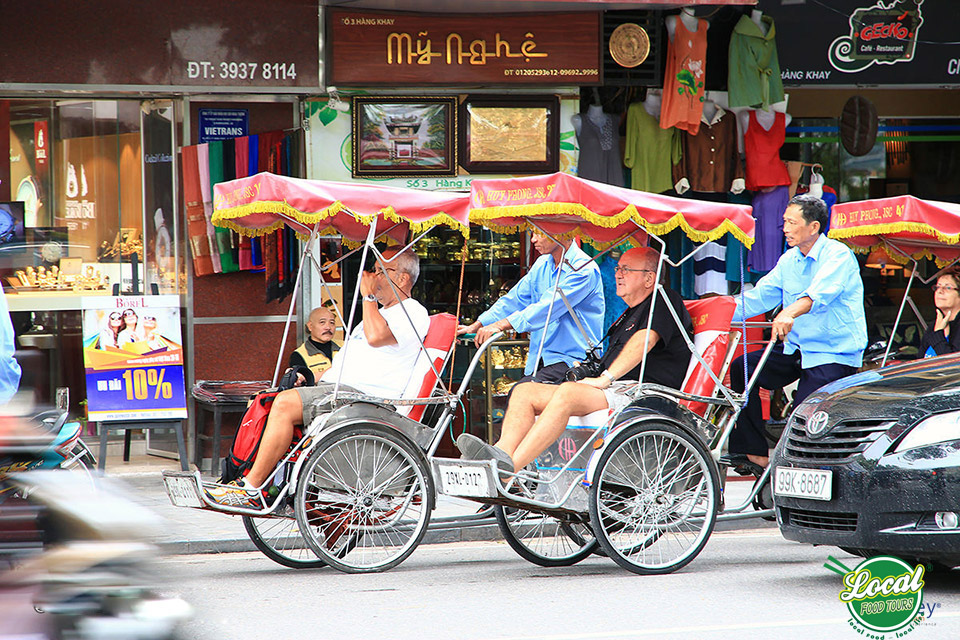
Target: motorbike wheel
column 654, row 498
column 543, row 539
column 364, row 498
column 279, row 539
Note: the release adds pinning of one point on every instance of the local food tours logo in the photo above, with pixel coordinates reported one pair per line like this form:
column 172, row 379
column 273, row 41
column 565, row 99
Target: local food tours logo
column 883, row 595
column 884, row 33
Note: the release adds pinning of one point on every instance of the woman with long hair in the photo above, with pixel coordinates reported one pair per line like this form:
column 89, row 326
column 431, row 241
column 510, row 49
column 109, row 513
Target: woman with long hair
column 109, row 336
column 943, row 334
column 131, row 330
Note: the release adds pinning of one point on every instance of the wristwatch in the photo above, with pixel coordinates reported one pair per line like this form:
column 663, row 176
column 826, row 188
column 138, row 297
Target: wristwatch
column 370, row 298
column 609, row 376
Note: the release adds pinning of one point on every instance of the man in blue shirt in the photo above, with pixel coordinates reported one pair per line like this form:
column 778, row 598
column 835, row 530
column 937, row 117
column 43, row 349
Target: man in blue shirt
column 822, row 324
column 525, row 307
column 9, row 367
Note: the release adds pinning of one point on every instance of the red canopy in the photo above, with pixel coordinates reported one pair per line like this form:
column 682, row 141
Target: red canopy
column 569, row 206
column 263, row 203
column 918, row 228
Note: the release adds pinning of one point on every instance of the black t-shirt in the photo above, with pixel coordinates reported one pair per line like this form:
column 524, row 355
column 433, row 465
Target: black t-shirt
column 667, row 362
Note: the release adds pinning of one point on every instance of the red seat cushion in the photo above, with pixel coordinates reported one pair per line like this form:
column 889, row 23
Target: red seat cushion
column 438, row 342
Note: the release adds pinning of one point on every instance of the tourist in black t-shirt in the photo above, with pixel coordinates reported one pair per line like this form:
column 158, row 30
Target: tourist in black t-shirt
column 524, row 437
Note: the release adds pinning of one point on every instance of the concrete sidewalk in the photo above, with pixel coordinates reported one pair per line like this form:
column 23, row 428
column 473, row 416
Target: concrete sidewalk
column 188, row 531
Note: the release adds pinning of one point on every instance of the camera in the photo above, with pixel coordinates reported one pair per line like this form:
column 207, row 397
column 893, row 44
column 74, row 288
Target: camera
column 590, row 367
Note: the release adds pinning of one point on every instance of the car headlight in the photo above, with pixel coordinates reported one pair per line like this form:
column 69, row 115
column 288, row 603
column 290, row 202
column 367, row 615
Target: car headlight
column 942, row 427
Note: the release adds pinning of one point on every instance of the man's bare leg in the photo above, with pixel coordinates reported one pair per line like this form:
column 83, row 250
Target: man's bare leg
column 527, row 401
column 286, row 412
column 569, row 399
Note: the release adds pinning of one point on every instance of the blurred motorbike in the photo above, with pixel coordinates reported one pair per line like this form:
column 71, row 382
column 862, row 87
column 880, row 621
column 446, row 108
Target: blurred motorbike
column 78, row 564
column 53, row 443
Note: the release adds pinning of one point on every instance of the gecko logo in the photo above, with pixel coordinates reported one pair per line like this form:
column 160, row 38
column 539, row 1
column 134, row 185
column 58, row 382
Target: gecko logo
column 884, row 33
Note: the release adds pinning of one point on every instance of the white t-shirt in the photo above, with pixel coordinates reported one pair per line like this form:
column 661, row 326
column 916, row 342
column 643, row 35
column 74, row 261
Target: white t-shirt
column 382, row 371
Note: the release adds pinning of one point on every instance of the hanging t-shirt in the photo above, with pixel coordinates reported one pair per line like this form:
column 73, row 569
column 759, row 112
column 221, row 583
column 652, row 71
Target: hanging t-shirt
column 762, row 150
column 754, row 71
column 768, row 208
column 599, row 150
column 650, row 151
column 684, row 78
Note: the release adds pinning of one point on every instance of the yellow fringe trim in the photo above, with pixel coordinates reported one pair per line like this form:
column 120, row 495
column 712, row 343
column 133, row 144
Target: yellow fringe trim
column 893, row 227
column 487, row 214
column 917, row 255
column 225, row 218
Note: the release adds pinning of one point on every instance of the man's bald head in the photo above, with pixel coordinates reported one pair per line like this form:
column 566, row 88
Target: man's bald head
column 636, row 274
column 322, row 324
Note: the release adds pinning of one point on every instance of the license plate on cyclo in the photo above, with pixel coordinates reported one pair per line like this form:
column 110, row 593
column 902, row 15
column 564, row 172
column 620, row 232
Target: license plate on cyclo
column 456, row 480
column 815, row 484
column 182, row 491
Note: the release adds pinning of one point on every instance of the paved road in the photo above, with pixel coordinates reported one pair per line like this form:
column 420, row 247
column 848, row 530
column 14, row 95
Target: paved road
column 747, row 584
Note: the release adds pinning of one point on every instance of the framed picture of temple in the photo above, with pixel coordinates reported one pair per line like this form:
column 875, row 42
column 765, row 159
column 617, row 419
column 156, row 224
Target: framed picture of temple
column 404, row 136
column 516, row 135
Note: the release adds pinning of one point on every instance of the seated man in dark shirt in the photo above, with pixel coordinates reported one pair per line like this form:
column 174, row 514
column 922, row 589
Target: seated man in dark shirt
column 524, row 436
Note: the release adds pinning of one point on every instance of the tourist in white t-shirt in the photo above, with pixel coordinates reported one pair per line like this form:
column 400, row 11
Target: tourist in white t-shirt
column 376, row 360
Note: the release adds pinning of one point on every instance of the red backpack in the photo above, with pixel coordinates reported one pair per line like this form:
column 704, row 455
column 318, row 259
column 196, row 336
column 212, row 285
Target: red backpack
column 247, row 441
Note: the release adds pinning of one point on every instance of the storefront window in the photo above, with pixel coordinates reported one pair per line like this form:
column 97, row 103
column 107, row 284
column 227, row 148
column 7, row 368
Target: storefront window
column 91, row 212
column 85, row 182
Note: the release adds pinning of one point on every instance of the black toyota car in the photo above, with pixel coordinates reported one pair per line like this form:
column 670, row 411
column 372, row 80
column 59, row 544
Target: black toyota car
column 871, row 464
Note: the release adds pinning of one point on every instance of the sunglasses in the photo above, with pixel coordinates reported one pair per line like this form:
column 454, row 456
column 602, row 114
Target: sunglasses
column 115, row 316
column 129, row 313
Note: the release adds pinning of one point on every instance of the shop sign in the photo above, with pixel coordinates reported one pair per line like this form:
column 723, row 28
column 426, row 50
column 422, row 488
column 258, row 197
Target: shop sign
column 856, row 42
column 246, row 45
column 133, row 356
column 392, row 49
column 223, row 124
column 40, row 146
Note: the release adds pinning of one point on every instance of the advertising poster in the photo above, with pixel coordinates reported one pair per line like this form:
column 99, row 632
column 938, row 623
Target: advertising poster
column 133, row 356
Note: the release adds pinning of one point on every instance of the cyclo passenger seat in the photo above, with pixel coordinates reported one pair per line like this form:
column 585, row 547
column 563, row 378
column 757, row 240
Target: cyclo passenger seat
column 711, row 337
column 439, row 345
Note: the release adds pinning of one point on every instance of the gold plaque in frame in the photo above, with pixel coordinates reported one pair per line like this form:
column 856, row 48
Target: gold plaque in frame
column 629, row 45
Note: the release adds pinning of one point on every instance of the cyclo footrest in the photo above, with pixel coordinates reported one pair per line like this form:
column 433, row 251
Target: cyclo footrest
column 186, row 489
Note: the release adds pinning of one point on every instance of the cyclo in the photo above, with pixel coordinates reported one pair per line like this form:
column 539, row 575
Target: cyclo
column 359, row 486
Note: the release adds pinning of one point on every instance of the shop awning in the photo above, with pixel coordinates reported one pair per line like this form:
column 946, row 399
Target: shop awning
column 565, row 205
column 265, row 202
column 901, row 226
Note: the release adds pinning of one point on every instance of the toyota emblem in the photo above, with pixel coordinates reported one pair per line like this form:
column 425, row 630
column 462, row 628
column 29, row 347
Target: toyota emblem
column 817, row 424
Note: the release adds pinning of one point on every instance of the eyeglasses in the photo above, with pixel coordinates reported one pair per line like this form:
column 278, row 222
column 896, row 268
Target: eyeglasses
column 943, row 287
column 619, row 269
column 378, row 271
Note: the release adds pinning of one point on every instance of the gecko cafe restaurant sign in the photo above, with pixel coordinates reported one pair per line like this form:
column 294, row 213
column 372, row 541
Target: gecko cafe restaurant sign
column 876, row 42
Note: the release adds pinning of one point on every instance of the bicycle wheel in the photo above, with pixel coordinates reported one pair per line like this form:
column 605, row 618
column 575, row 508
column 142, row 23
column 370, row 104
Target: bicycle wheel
column 543, row 539
column 364, row 498
column 653, row 501
column 279, row 539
